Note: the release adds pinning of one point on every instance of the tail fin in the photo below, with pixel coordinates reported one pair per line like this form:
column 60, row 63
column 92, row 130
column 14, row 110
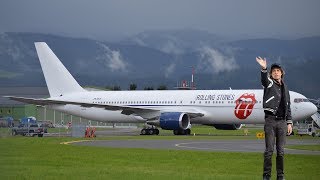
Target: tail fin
column 58, row 78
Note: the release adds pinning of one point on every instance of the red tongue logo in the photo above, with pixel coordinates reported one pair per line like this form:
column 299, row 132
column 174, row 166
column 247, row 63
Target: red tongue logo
column 244, row 105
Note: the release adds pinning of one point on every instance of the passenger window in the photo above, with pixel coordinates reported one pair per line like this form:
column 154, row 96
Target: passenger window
column 298, row 100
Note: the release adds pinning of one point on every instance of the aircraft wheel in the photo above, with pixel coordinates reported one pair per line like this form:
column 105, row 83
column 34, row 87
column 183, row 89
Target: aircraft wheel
column 143, row 132
column 151, row 132
column 156, row 131
column 187, row 131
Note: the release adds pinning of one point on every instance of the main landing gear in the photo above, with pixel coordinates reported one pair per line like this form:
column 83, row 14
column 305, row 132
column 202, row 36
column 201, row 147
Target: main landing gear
column 149, row 131
column 152, row 130
column 182, row 132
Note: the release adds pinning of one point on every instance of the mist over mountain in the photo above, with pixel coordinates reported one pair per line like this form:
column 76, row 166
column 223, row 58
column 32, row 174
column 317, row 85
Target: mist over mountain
column 163, row 57
column 175, row 41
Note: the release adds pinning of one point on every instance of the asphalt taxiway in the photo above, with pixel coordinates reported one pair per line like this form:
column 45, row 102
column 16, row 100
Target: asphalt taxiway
column 201, row 145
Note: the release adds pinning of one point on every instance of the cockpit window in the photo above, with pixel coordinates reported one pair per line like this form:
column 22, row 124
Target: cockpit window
column 299, row 100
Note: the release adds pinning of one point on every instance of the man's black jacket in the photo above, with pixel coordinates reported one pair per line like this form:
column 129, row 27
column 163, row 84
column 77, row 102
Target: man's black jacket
column 272, row 96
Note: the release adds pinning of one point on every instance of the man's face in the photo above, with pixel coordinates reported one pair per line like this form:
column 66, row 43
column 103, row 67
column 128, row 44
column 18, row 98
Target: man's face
column 276, row 73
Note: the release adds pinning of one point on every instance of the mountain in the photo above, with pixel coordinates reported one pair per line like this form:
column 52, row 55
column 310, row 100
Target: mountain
column 91, row 62
column 163, row 57
column 175, row 41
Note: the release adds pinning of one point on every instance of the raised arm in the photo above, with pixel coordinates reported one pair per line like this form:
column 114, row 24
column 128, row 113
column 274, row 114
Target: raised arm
column 264, row 73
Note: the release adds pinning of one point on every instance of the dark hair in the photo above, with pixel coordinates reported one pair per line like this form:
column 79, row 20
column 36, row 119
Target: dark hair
column 276, row 66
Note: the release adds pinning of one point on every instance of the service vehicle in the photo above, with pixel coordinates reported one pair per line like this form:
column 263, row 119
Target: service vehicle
column 28, row 130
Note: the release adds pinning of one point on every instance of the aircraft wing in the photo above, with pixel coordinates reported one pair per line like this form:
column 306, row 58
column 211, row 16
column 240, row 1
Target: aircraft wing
column 146, row 113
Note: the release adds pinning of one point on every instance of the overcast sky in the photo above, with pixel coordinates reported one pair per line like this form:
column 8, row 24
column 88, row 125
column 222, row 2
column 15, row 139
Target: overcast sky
column 114, row 19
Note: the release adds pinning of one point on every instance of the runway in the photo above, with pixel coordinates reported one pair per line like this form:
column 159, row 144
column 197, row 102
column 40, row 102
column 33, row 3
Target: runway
column 201, row 145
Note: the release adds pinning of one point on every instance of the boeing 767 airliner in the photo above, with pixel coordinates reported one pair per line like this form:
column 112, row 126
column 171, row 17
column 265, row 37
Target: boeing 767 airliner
column 171, row 110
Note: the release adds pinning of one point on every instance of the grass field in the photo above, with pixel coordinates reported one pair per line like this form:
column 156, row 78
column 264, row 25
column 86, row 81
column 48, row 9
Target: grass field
column 46, row 158
column 306, row 147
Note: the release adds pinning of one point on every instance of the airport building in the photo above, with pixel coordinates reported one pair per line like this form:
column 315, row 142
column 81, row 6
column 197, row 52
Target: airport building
column 18, row 110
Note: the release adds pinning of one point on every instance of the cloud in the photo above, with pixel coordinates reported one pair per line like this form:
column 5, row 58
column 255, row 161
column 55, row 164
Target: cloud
column 139, row 41
column 171, row 47
column 169, row 70
column 18, row 51
column 12, row 49
column 216, row 62
column 165, row 43
column 112, row 59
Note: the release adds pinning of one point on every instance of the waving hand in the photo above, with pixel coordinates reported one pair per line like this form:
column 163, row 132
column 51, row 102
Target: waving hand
column 262, row 62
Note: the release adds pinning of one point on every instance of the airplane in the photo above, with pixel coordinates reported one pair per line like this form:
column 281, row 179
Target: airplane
column 172, row 110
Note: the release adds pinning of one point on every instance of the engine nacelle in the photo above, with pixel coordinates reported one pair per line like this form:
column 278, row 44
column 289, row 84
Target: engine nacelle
column 228, row 126
column 172, row 121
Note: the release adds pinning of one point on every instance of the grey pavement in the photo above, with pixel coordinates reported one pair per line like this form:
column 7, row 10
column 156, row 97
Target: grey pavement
column 202, row 145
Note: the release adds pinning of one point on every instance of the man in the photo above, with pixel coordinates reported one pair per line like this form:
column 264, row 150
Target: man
column 276, row 104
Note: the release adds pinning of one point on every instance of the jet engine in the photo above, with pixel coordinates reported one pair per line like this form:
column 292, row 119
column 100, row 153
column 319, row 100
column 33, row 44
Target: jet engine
column 228, row 126
column 172, row 121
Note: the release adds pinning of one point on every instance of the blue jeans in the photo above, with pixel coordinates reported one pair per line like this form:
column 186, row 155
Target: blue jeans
column 275, row 132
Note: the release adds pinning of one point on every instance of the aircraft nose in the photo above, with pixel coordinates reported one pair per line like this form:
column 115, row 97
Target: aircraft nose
column 312, row 109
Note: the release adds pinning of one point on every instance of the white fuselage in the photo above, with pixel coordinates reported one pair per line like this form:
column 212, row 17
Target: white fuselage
column 218, row 106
